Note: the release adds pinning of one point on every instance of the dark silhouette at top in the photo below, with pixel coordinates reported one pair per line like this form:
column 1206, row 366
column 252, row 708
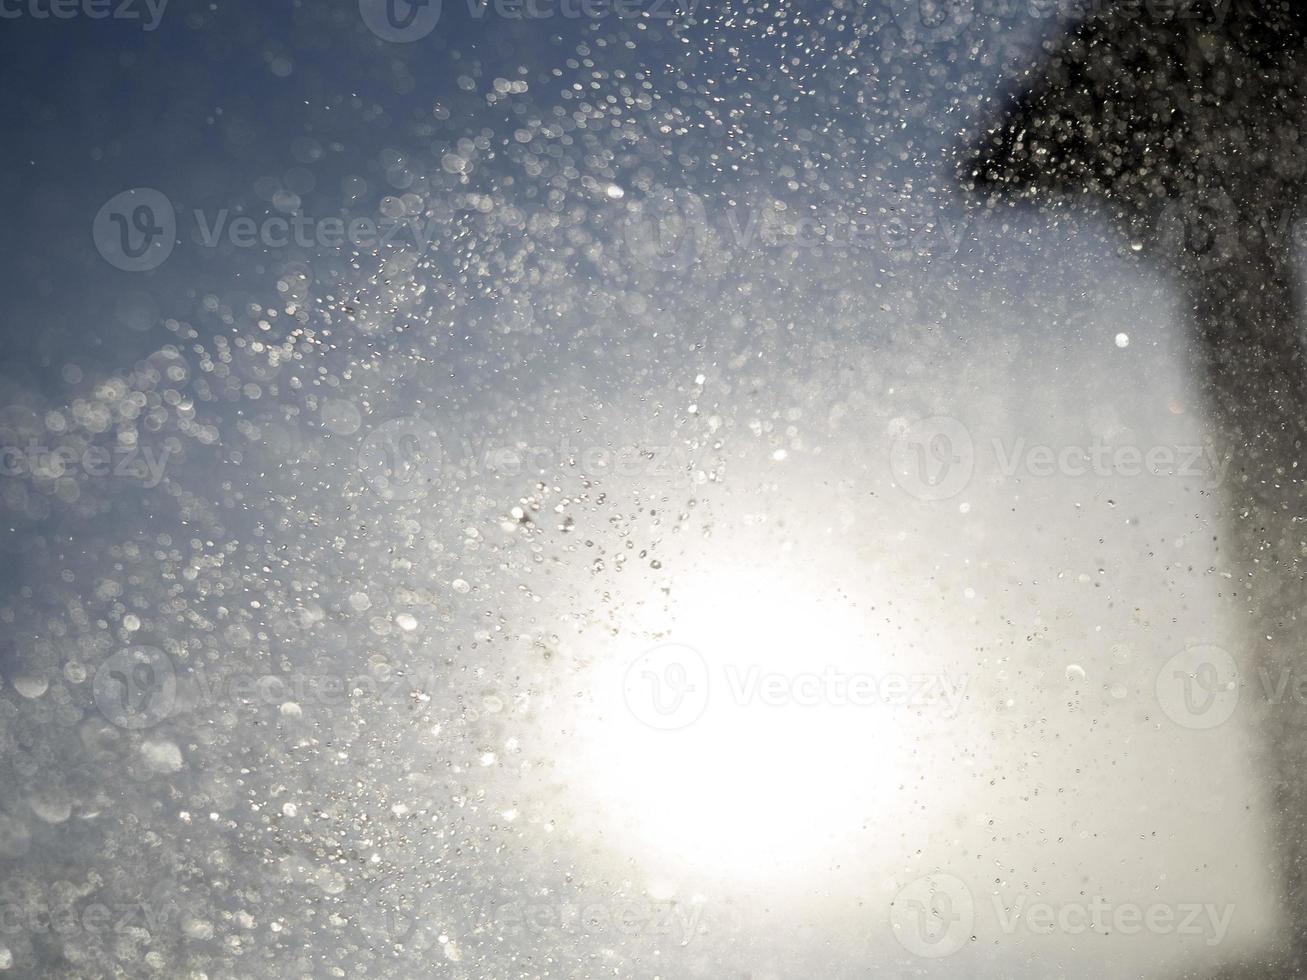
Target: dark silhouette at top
column 1188, row 127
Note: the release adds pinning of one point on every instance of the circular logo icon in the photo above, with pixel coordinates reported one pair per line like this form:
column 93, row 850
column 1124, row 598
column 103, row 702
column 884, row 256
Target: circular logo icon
column 170, row 904
column 136, row 688
column 908, row 230
column 389, row 910
column 668, row 230
column 933, row 916
column 136, row 230
column 933, row 459
column 1201, row 232
column 1199, row 688
column 400, row 21
column 658, row 10
column 667, row 687
column 514, row 314
column 401, row 459
column 932, row 21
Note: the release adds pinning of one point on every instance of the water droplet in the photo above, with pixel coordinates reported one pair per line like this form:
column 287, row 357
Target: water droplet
column 341, row 416
column 161, row 755
column 30, row 686
column 198, row 928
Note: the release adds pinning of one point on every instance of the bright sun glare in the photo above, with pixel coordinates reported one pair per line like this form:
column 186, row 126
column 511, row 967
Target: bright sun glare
column 754, row 739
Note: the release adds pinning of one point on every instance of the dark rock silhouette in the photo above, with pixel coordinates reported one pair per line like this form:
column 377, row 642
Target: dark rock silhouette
column 1186, row 123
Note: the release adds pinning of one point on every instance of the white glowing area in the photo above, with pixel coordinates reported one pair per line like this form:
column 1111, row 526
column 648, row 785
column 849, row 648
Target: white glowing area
column 729, row 744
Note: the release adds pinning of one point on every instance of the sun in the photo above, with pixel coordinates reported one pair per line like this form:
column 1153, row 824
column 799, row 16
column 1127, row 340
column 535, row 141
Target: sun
column 754, row 738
